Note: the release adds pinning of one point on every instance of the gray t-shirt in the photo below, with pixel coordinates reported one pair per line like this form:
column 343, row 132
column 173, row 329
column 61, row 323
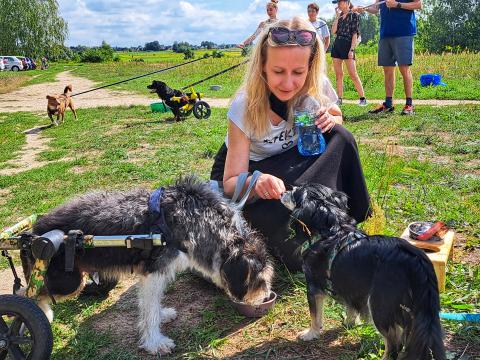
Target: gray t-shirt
column 322, row 28
column 279, row 138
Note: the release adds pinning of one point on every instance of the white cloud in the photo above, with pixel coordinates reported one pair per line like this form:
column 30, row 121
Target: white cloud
column 126, row 23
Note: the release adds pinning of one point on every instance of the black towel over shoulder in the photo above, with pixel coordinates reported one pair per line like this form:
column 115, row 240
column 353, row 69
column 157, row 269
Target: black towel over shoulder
column 338, row 168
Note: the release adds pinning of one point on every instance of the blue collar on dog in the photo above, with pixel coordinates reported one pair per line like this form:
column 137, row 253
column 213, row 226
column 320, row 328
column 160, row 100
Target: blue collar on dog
column 159, row 224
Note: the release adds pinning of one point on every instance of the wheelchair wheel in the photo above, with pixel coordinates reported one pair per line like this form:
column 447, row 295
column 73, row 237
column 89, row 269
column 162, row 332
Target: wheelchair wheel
column 25, row 332
column 201, row 110
column 184, row 113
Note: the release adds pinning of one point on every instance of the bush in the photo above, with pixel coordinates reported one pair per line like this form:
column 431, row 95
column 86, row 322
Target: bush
column 105, row 53
column 217, row 54
column 189, row 54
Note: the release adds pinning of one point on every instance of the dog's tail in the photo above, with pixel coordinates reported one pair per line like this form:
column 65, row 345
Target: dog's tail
column 67, row 89
column 425, row 338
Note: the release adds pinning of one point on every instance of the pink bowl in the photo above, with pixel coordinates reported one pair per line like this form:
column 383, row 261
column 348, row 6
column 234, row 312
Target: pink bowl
column 256, row 310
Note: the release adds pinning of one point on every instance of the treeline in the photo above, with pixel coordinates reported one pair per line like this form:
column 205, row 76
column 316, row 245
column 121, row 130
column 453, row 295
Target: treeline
column 35, row 29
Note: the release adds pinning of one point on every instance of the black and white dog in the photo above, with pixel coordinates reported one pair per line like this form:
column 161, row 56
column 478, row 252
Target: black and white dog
column 166, row 93
column 382, row 278
column 204, row 233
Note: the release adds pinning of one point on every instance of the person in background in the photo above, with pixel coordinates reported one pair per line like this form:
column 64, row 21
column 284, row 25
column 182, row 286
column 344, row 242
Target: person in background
column 398, row 27
column 286, row 64
column 272, row 9
column 346, row 28
column 320, row 25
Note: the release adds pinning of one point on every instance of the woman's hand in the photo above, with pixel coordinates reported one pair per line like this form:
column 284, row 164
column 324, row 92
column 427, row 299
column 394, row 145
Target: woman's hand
column 358, row 9
column 269, row 187
column 391, row 3
column 325, row 122
column 351, row 54
column 338, row 12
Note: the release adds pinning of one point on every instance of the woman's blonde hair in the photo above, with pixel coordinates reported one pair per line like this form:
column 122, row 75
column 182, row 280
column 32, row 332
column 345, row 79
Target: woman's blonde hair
column 255, row 84
column 273, row 3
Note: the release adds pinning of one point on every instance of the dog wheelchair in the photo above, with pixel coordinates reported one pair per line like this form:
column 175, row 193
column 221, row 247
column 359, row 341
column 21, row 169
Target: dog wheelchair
column 194, row 103
column 25, row 331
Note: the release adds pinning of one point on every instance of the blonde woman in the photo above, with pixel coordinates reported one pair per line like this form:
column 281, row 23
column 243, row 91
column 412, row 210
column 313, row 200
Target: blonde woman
column 287, row 63
column 272, row 9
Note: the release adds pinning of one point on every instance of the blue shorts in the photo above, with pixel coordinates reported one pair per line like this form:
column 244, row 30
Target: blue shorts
column 393, row 51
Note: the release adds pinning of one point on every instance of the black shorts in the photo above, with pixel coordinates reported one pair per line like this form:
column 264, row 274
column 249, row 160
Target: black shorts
column 341, row 48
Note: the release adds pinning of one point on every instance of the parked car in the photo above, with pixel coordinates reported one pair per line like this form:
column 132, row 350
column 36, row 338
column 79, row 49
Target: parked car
column 2, row 65
column 12, row 63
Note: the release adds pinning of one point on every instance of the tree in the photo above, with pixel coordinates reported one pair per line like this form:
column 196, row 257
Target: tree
column 450, row 24
column 31, row 27
column 208, row 44
column 369, row 27
column 153, row 46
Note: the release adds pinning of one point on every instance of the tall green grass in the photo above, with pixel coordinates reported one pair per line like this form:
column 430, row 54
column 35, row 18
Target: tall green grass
column 461, row 71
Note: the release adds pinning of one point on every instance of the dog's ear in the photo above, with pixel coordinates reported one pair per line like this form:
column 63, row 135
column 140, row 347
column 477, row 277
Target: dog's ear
column 235, row 272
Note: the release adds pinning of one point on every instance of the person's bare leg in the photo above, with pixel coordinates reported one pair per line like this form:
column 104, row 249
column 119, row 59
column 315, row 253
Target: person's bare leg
column 407, row 80
column 352, row 71
column 337, row 66
column 389, row 72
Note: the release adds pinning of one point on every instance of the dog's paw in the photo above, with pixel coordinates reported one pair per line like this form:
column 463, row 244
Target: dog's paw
column 168, row 314
column 159, row 344
column 309, row 334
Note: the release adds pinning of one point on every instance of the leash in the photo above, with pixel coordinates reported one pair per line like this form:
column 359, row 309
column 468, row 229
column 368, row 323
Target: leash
column 138, row 77
column 461, row 317
column 214, row 75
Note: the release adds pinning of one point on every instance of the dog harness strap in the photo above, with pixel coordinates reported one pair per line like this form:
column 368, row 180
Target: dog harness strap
column 159, row 225
column 349, row 240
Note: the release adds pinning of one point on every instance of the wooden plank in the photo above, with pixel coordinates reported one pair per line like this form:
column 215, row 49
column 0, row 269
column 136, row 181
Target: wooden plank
column 437, row 251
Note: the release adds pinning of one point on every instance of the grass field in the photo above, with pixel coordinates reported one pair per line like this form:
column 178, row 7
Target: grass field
column 460, row 71
column 421, row 167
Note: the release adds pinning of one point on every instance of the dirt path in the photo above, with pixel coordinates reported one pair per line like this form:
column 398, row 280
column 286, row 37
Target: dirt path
column 32, row 98
column 26, row 158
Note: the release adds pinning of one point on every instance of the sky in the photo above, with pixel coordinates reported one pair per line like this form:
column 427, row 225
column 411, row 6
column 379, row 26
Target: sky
column 131, row 23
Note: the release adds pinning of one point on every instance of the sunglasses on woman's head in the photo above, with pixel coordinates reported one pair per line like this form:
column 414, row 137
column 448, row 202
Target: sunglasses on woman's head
column 284, row 36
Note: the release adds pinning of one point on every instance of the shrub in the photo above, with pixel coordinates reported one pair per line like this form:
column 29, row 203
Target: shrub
column 104, row 53
column 189, row 54
column 217, row 54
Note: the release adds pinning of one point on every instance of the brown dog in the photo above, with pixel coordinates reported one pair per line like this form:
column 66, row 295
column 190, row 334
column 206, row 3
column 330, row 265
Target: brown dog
column 57, row 104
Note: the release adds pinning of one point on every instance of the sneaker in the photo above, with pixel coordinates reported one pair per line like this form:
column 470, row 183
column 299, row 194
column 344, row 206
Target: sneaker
column 382, row 108
column 339, row 101
column 362, row 102
column 408, row 110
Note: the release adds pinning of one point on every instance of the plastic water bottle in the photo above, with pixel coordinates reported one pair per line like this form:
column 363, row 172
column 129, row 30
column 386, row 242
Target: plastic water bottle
column 310, row 138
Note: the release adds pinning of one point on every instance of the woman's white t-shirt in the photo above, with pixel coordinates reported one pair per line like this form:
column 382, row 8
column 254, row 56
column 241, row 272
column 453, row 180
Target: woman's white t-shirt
column 279, row 138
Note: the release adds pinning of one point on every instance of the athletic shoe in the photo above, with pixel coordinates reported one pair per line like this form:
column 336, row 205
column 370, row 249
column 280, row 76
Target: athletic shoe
column 382, row 108
column 339, row 101
column 362, row 102
column 408, row 110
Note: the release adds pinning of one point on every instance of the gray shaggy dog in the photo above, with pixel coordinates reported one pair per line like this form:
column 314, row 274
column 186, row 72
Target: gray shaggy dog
column 205, row 233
